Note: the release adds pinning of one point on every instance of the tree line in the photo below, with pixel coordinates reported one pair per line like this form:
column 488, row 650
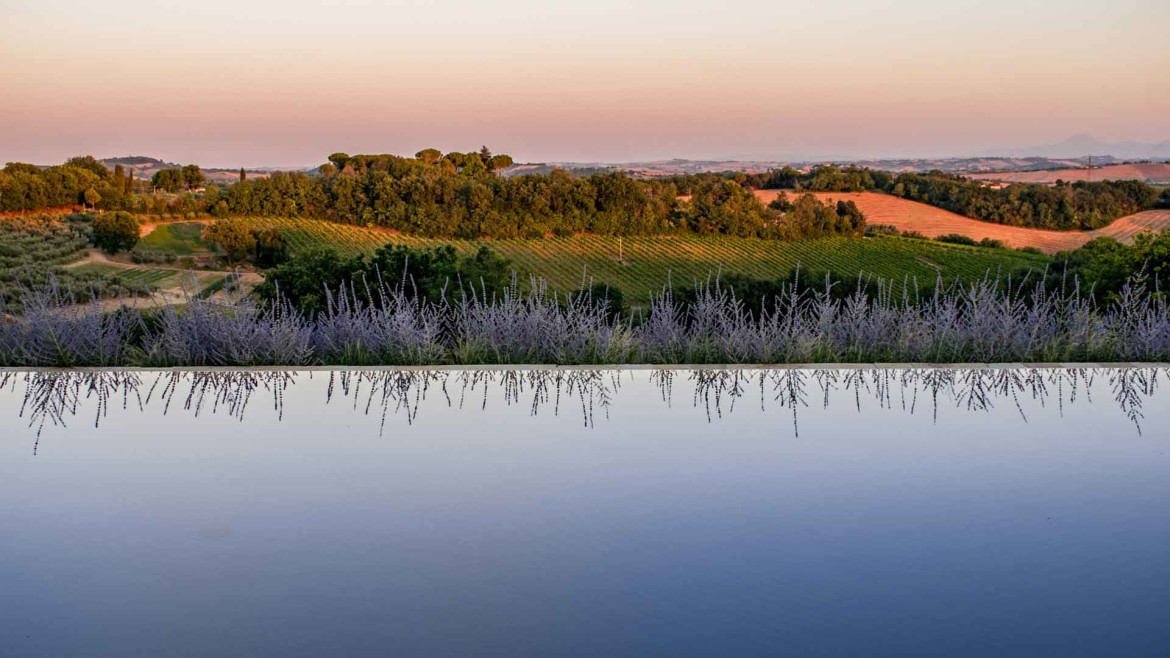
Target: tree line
column 79, row 181
column 460, row 195
column 452, row 195
column 84, row 181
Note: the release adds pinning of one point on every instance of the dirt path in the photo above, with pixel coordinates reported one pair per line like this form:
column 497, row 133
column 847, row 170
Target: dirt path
column 932, row 222
column 175, row 290
column 93, row 256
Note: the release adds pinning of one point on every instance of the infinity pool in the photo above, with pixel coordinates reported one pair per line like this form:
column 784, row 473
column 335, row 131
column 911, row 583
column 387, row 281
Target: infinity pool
column 860, row 512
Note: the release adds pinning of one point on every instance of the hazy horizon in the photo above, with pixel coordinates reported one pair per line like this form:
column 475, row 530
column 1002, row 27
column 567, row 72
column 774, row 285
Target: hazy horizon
column 283, row 84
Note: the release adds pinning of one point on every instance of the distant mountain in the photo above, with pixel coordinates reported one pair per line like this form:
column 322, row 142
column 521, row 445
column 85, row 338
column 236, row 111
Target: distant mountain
column 1082, row 145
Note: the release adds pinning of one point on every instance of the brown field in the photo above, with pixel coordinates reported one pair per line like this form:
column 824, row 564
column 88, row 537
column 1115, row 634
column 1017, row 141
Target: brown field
column 933, row 222
column 1152, row 173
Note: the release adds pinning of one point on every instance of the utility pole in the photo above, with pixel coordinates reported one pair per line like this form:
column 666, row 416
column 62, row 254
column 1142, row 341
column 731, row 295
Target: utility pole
column 1090, row 168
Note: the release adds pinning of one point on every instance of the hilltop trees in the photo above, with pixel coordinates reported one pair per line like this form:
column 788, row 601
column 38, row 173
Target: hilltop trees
column 124, row 180
column 189, row 177
column 88, row 163
column 499, row 162
column 169, row 180
column 473, row 165
column 193, row 177
column 29, row 187
column 455, row 195
column 452, row 195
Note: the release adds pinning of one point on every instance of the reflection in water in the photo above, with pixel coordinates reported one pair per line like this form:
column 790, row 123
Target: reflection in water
column 57, row 397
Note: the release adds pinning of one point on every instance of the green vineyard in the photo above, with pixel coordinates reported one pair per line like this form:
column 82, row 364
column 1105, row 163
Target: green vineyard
column 639, row 265
column 144, row 276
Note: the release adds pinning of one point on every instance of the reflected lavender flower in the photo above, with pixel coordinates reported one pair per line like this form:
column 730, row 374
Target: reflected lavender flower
column 53, row 398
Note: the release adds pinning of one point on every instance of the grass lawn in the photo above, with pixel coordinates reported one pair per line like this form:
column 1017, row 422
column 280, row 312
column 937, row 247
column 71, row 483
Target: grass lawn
column 183, row 238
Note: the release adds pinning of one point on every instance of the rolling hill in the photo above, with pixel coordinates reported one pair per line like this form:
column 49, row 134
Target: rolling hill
column 932, row 222
column 643, row 265
column 1154, row 173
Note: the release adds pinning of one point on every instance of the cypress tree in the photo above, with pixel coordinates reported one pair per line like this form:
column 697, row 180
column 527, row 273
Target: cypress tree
column 243, row 175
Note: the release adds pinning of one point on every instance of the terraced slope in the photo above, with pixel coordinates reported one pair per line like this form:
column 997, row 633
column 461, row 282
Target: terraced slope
column 932, row 222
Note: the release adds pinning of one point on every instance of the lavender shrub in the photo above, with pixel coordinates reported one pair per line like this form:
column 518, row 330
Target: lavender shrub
column 59, row 328
column 989, row 321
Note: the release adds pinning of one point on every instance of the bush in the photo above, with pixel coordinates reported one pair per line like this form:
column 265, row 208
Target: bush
column 307, row 280
column 991, row 244
column 955, row 238
column 114, row 232
column 881, row 229
column 153, row 256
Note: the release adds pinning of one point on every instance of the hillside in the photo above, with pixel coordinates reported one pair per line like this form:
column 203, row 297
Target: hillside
column 1153, row 173
column 932, row 222
column 647, row 264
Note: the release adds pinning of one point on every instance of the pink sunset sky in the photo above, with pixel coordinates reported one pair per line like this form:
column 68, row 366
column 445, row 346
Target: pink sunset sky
column 285, row 83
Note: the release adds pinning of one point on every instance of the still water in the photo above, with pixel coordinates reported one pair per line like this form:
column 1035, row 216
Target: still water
column 586, row 513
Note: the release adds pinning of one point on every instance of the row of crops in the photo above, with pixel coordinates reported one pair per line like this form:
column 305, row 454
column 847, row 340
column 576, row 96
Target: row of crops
column 642, row 264
column 137, row 276
column 32, row 248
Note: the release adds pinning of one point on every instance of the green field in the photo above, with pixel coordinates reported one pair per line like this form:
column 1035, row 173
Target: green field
column 183, row 238
column 648, row 263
